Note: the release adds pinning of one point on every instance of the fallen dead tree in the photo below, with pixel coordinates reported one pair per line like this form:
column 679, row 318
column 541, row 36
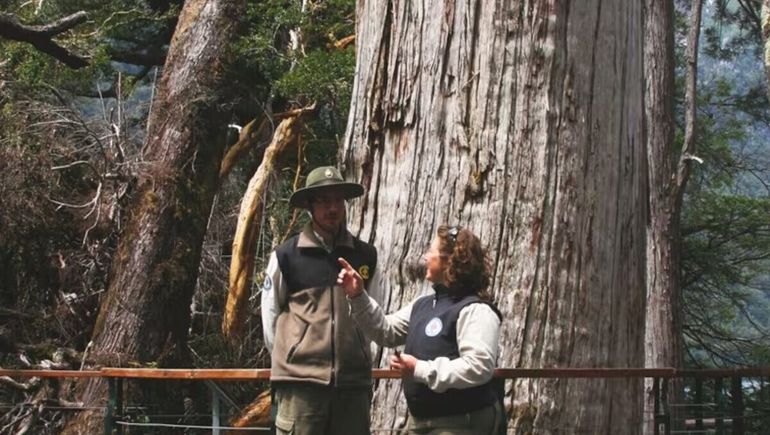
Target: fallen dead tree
column 248, row 228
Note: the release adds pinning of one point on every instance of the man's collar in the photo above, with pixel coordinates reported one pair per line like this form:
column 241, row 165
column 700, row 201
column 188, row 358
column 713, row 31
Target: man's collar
column 309, row 239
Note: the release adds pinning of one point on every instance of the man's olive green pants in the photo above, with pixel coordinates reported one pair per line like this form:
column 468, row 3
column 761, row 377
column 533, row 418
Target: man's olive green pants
column 309, row 409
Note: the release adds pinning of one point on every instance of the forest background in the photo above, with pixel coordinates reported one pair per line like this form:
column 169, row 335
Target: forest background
column 71, row 155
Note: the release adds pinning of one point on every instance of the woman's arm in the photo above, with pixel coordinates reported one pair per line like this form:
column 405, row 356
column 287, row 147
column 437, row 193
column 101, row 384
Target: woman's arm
column 384, row 330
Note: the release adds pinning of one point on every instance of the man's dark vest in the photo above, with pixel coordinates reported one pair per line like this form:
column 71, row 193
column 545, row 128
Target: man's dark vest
column 316, row 339
column 433, row 333
column 315, row 267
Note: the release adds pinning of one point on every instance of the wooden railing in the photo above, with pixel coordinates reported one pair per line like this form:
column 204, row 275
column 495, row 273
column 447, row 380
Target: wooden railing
column 728, row 416
column 252, row 374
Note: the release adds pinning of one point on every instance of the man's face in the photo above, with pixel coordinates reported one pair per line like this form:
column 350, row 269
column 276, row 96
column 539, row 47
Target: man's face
column 328, row 210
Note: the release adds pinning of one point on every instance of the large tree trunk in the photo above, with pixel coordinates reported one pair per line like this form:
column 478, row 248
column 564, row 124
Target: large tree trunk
column 663, row 346
column 522, row 120
column 146, row 312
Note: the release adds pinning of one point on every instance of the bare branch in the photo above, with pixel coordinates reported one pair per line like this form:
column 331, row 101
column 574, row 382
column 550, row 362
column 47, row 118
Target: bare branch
column 62, row 25
column 41, row 36
column 250, row 134
column 79, row 162
column 341, row 44
column 98, row 209
column 10, row 382
column 683, row 171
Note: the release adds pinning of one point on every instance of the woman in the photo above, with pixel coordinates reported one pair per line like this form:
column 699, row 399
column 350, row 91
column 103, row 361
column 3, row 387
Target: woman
column 451, row 338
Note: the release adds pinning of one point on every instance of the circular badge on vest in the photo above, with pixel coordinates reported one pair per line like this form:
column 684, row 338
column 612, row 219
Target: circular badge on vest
column 268, row 284
column 433, row 328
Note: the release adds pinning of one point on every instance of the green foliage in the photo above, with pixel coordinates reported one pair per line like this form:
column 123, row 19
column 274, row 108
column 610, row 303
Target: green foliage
column 726, row 213
column 263, row 50
column 36, row 72
column 273, row 76
column 321, row 76
column 732, row 27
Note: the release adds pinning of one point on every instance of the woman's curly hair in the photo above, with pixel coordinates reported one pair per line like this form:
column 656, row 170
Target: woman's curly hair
column 467, row 268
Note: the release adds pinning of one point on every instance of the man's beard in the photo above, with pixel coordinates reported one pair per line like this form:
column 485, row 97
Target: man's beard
column 334, row 230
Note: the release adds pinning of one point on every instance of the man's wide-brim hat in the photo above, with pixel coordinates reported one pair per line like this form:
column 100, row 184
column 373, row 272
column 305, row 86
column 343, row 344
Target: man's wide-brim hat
column 322, row 179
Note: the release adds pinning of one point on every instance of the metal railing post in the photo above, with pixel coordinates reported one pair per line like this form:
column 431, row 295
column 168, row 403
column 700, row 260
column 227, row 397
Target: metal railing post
column 699, row 404
column 215, row 412
column 665, row 410
column 765, row 389
column 656, row 405
column 119, row 404
column 109, row 412
column 718, row 403
column 737, row 408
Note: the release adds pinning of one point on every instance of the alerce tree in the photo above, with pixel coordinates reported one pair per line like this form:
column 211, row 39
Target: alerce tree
column 522, row 120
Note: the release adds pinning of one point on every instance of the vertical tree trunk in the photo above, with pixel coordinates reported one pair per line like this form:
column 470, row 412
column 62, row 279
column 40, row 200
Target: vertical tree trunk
column 145, row 314
column 765, row 22
column 522, row 120
column 663, row 346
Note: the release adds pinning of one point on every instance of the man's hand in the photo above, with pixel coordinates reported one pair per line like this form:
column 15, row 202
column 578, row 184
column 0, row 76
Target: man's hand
column 404, row 363
column 350, row 281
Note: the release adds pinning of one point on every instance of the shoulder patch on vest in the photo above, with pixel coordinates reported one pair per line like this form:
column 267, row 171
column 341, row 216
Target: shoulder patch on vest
column 364, row 271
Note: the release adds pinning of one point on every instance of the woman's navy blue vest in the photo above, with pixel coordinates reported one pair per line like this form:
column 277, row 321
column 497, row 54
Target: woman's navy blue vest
column 433, row 333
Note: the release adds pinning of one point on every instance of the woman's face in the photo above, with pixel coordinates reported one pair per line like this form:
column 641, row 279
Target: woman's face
column 434, row 263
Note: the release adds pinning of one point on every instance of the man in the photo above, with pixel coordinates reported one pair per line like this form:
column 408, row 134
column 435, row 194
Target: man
column 321, row 362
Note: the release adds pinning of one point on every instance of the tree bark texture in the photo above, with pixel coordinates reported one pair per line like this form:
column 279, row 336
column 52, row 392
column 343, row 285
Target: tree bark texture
column 663, row 347
column 146, row 312
column 522, row 120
